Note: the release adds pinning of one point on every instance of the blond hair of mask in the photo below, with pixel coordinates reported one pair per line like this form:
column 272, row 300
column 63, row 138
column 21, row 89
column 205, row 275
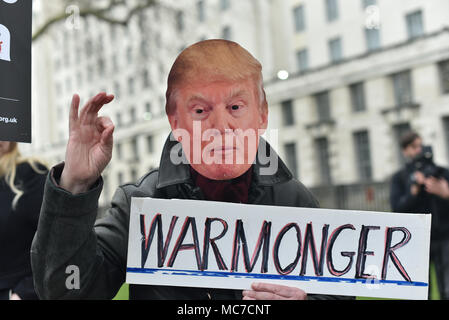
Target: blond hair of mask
column 210, row 61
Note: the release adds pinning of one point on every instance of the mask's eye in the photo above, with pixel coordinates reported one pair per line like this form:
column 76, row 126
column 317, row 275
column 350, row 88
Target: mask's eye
column 199, row 112
column 237, row 109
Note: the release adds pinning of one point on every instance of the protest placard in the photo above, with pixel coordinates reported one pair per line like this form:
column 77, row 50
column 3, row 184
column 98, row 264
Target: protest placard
column 322, row 251
column 15, row 70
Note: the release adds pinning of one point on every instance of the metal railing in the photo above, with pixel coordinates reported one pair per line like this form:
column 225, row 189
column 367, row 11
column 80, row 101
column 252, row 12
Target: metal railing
column 373, row 196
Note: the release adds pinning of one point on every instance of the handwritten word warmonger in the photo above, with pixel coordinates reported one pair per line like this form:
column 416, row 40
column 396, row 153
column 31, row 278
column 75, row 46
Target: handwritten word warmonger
column 265, row 247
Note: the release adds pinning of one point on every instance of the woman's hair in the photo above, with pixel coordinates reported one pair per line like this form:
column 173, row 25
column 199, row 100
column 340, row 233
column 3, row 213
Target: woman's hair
column 213, row 60
column 8, row 169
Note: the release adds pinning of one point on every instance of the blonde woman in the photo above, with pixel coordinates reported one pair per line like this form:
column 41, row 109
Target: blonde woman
column 21, row 189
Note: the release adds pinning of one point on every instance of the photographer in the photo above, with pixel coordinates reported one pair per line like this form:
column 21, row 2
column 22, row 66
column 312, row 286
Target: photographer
column 423, row 187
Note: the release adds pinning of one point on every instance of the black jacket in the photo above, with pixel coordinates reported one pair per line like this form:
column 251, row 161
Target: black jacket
column 67, row 236
column 17, row 228
column 403, row 201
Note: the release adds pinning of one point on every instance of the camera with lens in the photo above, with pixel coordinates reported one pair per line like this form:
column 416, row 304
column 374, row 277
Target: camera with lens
column 424, row 163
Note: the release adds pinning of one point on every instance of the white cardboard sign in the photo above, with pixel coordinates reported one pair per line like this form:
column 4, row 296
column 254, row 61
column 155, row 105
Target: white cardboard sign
column 322, row 251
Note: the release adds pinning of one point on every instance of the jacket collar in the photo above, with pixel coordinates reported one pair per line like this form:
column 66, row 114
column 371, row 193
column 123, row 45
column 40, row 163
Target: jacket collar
column 178, row 171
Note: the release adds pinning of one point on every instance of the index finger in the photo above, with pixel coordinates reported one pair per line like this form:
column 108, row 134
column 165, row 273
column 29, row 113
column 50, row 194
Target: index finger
column 94, row 105
column 105, row 99
column 277, row 289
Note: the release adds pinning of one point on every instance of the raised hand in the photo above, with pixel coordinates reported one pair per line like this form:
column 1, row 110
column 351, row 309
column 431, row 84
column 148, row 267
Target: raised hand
column 89, row 148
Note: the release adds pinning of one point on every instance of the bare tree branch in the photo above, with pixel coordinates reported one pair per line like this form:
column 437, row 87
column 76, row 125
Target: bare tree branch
column 101, row 13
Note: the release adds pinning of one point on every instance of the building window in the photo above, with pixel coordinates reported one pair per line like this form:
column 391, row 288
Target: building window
column 134, row 175
column 79, row 79
column 358, row 97
column 162, row 105
column 335, row 50
column 131, row 85
column 129, row 55
column 322, row 151
column 118, row 117
column 363, row 155
column 144, row 52
column 113, row 31
column 60, row 112
column 200, row 7
column 118, row 148
column 399, row 130
column 446, row 133
column 101, row 66
column 132, row 115
column 402, row 86
column 106, row 190
column 331, row 10
column 117, row 90
column 135, row 148
column 180, row 21
column 146, row 78
column 225, row 4
column 444, row 76
column 150, row 144
column 89, row 47
column 57, row 64
column 302, row 57
column 90, row 73
column 288, row 118
column 68, row 84
column 323, row 106
column 148, row 107
column 120, row 178
column 299, row 18
column 141, row 21
column 66, row 58
column 291, row 159
column 372, row 39
column 226, row 33
column 115, row 64
column 415, row 26
column 58, row 87
column 148, row 113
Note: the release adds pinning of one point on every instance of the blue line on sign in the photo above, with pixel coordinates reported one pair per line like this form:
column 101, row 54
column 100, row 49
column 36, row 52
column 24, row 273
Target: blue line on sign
column 271, row 276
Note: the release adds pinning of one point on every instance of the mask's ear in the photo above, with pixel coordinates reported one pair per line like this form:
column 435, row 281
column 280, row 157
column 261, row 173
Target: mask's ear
column 263, row 114
column 173, row 119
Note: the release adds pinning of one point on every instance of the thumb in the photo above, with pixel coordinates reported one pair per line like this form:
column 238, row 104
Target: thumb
column 107, row 136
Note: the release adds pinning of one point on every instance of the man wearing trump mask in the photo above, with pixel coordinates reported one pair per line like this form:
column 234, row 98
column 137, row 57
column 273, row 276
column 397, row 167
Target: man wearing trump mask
column 217, row 109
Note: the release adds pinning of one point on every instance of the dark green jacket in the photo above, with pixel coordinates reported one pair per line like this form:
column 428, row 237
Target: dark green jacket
column 68, row 233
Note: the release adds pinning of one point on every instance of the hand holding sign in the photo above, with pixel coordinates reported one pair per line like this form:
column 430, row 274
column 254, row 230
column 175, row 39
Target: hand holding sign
column 268, row 291
column 89, row 148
